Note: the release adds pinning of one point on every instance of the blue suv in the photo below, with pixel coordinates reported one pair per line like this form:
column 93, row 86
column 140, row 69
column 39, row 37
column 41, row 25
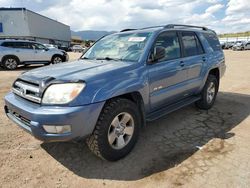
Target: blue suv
column 124, row 80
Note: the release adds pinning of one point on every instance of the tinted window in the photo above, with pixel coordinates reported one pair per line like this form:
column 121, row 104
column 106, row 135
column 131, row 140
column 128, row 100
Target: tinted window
column 23, row 45
column 8, row 44
column 191, row 43
column 169, row 41
column 213, row 41
column 38, row 46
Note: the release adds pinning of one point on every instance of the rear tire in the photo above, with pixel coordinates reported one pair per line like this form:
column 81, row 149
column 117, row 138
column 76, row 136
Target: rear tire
column 116, row 131
column 10, row 62
column 209, row 93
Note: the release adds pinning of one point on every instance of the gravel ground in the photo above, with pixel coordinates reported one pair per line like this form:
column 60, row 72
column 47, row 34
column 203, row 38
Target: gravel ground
column 187, row 148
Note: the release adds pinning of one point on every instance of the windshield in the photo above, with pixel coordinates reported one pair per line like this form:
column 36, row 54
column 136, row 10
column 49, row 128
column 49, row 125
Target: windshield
column 124, row 47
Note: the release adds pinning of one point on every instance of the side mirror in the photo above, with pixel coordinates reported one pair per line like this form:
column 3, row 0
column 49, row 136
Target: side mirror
column 158, row 53
column 46, row 49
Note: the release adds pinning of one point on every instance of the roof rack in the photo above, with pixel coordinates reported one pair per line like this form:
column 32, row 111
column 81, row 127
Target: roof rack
column 170, row 26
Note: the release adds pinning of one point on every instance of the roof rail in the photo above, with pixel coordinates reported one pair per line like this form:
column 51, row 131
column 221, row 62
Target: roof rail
column 170, row 26
column 153, row 27
column 124, row 30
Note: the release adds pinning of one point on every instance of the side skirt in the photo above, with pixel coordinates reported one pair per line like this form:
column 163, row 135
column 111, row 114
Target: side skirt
column 172, row 107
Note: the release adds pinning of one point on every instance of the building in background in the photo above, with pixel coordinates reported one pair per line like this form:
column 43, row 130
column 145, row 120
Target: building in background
column 21, row 23
column 76, row 40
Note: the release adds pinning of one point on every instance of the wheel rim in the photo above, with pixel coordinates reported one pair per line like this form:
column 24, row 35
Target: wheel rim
column 121, row 130
column 57, row 60
column 11, row 63
column 210, row 92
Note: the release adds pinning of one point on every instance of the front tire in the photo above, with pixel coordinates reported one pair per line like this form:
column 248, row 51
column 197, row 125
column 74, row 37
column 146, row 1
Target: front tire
column 116, row 131
column 209, row 93
column 56, row 59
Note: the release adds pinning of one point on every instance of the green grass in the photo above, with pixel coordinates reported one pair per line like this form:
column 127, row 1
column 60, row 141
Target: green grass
column 241, row 34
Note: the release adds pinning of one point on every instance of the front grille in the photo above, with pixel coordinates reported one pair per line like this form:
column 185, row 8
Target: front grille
column 26, row 90
column 19, row 117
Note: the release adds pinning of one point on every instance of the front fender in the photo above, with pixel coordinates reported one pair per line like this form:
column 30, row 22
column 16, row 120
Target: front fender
column 123, row 86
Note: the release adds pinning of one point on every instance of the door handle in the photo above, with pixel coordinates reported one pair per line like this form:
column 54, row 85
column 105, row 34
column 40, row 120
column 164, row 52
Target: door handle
column 182, row 63
column 204, row 59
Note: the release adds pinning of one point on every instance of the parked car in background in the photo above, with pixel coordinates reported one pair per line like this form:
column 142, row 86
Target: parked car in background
column 78, row 48
column 228, row 45
column 239, row 45
column 247, row 46
column 63, row 47
column 50, row 46
column 21, row 52
column 222, row 44
column 122, row 81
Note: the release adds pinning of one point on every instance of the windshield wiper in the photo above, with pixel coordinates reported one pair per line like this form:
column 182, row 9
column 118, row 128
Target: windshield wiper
column 108, row 59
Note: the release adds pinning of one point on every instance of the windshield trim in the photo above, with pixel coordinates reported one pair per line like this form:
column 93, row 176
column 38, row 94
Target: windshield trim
column 120, row 59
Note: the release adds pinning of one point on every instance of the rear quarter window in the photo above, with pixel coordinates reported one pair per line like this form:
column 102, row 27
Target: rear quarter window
column 213, row 41
column 8, row 44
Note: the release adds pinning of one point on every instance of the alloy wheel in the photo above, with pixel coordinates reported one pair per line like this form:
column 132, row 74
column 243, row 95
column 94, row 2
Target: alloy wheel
column 121, row 130
column 10, row 63
column 210, row 92
column 57, row 60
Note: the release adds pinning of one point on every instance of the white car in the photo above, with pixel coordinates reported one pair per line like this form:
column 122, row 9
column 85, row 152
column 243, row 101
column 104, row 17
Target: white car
column 247, row 46
column 239, row 45
column 22, row 52
column 78, row 48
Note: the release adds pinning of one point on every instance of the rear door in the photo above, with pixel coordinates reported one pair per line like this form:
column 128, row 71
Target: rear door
column 24, row 51
column 167, row 76
column 195, row 60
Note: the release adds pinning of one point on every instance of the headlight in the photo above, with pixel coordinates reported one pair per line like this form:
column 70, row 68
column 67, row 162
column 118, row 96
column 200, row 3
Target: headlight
column 62, row 93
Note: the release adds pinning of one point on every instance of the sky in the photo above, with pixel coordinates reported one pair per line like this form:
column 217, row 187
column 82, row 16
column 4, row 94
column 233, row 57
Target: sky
column 224, row 16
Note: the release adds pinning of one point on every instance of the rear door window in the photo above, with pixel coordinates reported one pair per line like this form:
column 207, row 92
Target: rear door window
column 191, row 44
column 213, row 41
column 23, row 45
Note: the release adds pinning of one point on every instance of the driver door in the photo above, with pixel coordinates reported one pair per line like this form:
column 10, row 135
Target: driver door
column 168, row 75
column 40, row 53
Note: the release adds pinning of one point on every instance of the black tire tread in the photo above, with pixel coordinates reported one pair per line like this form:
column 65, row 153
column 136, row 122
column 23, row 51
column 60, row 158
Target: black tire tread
column 202, row 103
column 92, row 140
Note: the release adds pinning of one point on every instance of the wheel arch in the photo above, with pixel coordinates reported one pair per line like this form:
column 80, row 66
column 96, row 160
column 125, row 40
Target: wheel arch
column 137, row 98
column 10, row 55
column 216, row 73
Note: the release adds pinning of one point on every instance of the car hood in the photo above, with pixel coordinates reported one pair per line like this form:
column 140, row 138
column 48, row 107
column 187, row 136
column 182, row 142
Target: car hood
column 77, row 70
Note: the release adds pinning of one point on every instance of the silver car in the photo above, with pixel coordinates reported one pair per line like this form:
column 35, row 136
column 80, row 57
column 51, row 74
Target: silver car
column 78, row 48
column 247, row 46
column 21, row 52
column 239, row 45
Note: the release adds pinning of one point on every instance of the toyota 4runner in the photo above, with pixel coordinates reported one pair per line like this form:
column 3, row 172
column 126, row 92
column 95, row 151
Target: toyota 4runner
column 124, row 80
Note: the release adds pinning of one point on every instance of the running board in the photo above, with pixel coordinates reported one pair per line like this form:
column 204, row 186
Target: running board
column 170, row 108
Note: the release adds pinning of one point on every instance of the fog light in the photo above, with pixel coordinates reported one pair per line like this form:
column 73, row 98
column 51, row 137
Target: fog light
column 58, row 129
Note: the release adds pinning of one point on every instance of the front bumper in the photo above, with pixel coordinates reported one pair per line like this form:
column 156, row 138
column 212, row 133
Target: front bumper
column 31, row 117
column 65, row 57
